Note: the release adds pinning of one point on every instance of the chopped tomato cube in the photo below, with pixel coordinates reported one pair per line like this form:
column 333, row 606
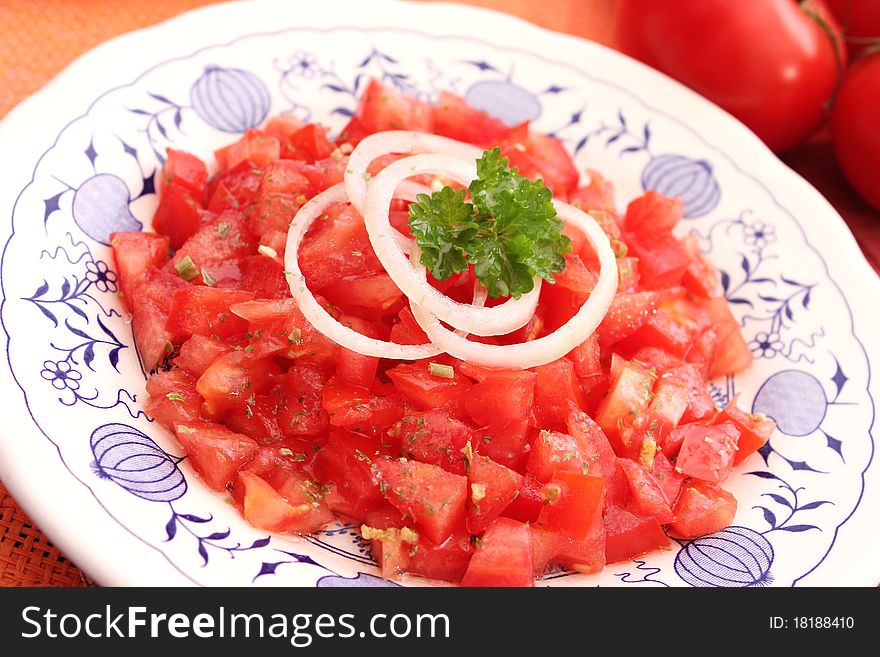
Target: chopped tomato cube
column 503, row 556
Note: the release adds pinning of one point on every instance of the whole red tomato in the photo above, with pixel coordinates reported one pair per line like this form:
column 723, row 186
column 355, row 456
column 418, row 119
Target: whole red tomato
column 773, row 64
column 860, row 22
column 855, row 130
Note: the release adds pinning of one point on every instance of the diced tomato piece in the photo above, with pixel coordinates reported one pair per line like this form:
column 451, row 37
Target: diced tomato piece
column 172, row 398
column 646, row 495
column 754, row 429
column 296, row 507
column 503, row 556
column 628, row 535
column 354, row 368
column 546, row 545
column 701, row 277
column 391, row 548
column 504, row 442
column 353, row 132
column 133, row 253
column 600, row 455
column 626, row 404
column 626, row 315
column 360, row 409
column 500, row 396
column 282, row 126
column 263, row 276
column 434, row 498
column 662, row 259
column 541, row 156
column 426, row 390
column 492, row 488
column 586, row 555
column 653, row 214
column 202, row 310
column 255, row 147
column 273, row 211
column 381, row 107
column 197, row 353
column 345, row 461
column 700, row 404
column 310, row 143
column 149, row 301
column 285, row 177
column 231, row 379
column 343, row 250
column 255, row 418
column 704, row 349
column 298, row 401
column 668, row 405
column 598, row 195
column 447, row 561
column 326, row 173
column 434, row 437
column 628, row 274
column 702, row 509
column 527, row 504
column 571, row 501
column 556, row 390
column 667, row 477
column 407, row 330
column 554, row 452
column 371, row 295
column 665, row 330
column 707, row 453
column 214, row 451
column 586, row 357
column 734, row 354
column 178, row 215
column 454, row 118
column 236, row 189
column 184, row 169
column 223, row 238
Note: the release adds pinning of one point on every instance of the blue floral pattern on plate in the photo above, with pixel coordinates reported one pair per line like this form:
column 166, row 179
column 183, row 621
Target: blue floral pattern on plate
column 99, row 177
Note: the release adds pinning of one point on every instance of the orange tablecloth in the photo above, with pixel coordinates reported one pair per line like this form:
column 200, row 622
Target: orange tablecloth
column 40, row 37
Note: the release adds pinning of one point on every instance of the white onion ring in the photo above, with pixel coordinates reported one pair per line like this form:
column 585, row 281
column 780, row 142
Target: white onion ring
column 317, row 316
column 396, row 141
column 550, row 347
column 498, row 320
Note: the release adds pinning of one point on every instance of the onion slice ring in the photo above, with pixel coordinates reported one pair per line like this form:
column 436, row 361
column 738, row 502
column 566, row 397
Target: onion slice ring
column 396, row 141
column 498, row 320
column 550, row 347
column 317, row 316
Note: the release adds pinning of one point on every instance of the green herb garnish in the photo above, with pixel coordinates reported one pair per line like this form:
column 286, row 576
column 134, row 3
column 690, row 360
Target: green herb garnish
column 508, row 231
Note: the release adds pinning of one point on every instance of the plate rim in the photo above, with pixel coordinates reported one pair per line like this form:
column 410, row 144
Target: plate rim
column 51, row 524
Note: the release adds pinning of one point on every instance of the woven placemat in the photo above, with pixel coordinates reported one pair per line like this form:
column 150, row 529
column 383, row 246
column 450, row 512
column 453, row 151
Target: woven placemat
column 27, row 557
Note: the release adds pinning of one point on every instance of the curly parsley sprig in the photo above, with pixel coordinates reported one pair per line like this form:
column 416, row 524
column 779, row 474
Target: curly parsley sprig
column 508, row 230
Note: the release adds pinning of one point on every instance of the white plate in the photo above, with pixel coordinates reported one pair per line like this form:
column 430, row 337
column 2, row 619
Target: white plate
column 79, row 159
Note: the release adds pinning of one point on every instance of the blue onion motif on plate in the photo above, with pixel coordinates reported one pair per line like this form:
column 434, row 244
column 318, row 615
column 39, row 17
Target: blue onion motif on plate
column 505, row 100
column 360, row 580
column 736, row 556
column 679, row 176
column 230, row 99
column 130, row 458
column 795, row 400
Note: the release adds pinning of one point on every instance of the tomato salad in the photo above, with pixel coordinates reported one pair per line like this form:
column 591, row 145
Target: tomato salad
column 401, row 328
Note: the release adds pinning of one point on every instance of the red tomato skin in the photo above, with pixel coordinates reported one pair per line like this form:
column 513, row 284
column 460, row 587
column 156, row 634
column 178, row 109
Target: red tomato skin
column 628, row 535
column 701, row 509
column 754, row 429
column 647, row 497
column 455, row 119
column 859, row 20
column 503, row 556
column 571, row 502
column 149, row 301
column 202, row 310
column 707, row 452
column 497, row 485
column 178, row 215
column 133, row 253
column 381, row 107
column 287, row 509
column 433, row 437
column 588, row 554
column 527, row 504
column 854, row 127
column 653, row 214
column 214, row 451
column 187, row 170
column 778, row 90
column 434, row 498
column 556, row 388
column 344, row 461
